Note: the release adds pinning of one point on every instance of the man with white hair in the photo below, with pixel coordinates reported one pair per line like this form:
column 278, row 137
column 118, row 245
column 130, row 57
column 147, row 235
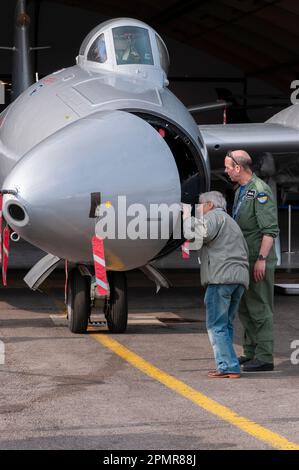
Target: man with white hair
column 224, row 270
column 255, row 211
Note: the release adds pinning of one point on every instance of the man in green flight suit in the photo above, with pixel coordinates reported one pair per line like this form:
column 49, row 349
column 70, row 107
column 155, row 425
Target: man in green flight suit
column 255, row 211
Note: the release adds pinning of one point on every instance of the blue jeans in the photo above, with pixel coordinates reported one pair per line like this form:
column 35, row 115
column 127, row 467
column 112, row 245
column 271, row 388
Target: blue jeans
column 222, row 302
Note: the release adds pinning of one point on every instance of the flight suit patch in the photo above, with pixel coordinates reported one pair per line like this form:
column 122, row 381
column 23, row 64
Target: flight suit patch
column 262, row 198
column 250, row 194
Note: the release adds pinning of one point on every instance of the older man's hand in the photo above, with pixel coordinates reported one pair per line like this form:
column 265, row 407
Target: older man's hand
column 199, row 211
column 186, row 210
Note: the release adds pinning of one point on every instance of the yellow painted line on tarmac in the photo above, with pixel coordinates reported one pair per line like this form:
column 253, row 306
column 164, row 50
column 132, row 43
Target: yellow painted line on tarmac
column 201, row 400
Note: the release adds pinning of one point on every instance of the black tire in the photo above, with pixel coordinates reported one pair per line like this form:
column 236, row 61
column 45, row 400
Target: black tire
column 78, row 302
column 117, row 308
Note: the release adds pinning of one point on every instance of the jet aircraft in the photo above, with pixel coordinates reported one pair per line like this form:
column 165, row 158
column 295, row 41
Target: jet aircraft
column 93, row 132
column 104, row 128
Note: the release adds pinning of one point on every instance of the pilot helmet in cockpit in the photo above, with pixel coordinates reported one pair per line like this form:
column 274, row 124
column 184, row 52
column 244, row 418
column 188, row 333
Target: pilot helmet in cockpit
column 132, row 45
column 126, row 47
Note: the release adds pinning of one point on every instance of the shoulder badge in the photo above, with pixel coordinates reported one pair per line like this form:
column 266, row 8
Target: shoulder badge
column 262, row 198
column 250, row 194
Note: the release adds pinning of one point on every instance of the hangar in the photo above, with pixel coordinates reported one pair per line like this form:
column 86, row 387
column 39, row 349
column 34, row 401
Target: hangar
column 245, row 47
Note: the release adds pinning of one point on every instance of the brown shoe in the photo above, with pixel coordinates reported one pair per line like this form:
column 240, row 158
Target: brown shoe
column 217, row 374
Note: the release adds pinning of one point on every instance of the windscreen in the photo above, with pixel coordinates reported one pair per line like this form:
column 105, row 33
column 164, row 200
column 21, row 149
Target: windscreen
column 132, row 45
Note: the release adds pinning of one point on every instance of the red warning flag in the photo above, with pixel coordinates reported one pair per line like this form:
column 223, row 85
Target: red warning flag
column 1, row 204
column 100, row 265
column 185, row 250
column 5, row 253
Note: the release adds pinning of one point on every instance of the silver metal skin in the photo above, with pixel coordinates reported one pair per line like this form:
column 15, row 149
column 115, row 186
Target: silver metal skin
column 94, row 128
column 40, row 271
column 279, row 134
column 89, row 129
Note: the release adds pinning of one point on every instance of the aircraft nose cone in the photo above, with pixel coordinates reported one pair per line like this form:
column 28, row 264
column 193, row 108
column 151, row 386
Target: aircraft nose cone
column 111, row 153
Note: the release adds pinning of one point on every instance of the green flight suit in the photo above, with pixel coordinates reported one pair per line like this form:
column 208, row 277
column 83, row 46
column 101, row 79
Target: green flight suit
column 256, row 214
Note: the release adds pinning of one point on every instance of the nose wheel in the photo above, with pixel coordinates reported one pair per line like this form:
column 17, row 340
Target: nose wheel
column 116, row 308
column 78, row 301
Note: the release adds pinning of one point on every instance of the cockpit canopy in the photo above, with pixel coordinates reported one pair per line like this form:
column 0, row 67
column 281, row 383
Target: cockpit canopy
column 132, row 45
column 97, row 51
column 126, row 46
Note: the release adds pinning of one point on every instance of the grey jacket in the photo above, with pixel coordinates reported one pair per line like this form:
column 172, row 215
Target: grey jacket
column 224, row 252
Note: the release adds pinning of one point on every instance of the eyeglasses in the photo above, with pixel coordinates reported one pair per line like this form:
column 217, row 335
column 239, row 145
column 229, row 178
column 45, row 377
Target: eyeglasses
column 229, row 155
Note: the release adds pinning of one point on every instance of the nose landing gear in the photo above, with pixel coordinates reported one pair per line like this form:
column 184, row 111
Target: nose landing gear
column 116, row 311
column 79, row 302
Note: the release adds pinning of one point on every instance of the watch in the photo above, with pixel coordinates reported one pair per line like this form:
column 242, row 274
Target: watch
column 262, row 258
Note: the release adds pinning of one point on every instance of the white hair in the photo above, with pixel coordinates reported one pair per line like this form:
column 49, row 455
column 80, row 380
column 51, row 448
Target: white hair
column 215, row 197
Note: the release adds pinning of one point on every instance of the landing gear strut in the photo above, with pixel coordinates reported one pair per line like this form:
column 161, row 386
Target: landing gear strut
column 79, row 302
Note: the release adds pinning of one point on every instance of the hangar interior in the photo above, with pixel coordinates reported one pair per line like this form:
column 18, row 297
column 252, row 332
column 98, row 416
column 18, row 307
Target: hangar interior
column 244, row 52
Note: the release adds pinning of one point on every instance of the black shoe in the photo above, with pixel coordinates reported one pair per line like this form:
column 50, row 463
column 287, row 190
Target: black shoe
column 255, row 365
column 243, row 359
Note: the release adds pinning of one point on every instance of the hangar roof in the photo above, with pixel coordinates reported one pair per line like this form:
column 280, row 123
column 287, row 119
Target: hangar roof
column 259, row 36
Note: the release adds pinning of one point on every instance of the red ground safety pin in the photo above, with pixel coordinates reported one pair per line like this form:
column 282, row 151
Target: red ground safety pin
column 185, row 250
column 100, row 265
column 5, row 253
column 1, row 204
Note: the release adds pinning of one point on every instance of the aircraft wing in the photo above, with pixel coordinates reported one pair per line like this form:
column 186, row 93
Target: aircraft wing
column 254, row 138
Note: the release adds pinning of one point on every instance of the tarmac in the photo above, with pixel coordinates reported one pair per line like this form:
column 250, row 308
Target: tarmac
column 145, row 389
